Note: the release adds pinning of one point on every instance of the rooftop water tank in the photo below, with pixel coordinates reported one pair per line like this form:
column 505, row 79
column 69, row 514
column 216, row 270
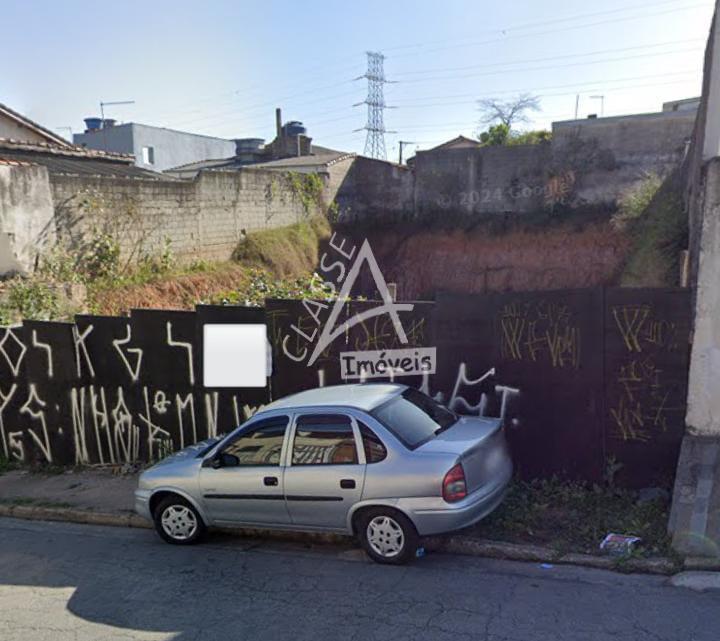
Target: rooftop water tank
column 294, row 128
column 93, row 124
column 109, row 122
column 248, row 145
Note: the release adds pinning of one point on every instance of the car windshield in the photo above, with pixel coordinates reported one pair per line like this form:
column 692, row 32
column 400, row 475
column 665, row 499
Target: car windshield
column 414, row 417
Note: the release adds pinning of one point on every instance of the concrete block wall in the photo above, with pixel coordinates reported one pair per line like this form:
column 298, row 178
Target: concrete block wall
column 469, row 181
column 202, row 219
column 588, row 163
column 373, row 190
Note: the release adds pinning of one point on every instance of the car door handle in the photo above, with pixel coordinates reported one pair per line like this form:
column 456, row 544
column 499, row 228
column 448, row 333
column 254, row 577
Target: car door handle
column 270, row 480
column 347, row 484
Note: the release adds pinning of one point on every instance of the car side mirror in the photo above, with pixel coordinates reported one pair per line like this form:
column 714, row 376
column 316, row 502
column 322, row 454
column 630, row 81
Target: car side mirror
column 224, row 459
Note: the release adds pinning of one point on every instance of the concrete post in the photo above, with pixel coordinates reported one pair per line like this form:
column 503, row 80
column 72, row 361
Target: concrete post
column 695, row 515
column 711, row 134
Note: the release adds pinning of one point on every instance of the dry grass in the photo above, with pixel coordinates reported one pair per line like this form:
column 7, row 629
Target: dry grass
column 171, row 292
column 285, row 252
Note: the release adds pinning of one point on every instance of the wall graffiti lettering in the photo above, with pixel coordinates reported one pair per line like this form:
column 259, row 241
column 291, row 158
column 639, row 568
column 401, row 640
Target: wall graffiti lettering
column 540, row 330
column 645, row 403
column 456, row 402
column 585, row 374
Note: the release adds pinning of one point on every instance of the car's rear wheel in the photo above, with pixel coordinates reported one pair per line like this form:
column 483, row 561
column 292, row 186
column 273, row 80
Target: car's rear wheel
column 177, row 521
column 387, row 536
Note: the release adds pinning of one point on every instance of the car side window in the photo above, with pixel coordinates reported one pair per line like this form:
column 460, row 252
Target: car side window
column 375, row 451
column 324, row 439
column 261, row 444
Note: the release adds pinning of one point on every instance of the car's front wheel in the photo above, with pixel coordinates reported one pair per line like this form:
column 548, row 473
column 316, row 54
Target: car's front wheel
column 387, row 536
column 177, row 521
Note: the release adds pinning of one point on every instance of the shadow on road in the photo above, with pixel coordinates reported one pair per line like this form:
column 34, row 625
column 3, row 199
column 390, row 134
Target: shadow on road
column 234, row 588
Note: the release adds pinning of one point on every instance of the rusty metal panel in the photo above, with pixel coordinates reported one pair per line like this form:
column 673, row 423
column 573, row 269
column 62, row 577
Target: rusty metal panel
column 544, row 349
column 646, row 357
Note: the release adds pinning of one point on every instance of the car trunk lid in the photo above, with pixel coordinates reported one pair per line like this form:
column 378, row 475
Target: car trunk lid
column 475, row 441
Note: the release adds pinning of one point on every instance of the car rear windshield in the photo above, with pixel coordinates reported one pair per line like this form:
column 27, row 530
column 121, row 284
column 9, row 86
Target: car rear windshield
column 414, row 417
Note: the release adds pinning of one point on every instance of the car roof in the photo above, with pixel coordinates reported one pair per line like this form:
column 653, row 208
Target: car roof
column 362, row 396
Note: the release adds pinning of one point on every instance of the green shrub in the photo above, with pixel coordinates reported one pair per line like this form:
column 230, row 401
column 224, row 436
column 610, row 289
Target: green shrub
column 635, row 201
column 262, row 285
column 31, row 298
column 308, row 188
column 501, row 134
column 656, row 222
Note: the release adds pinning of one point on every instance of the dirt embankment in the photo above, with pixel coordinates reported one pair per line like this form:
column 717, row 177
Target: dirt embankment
column 425, row 262
column 421, row 262
column 286, row 252
column 172, row 292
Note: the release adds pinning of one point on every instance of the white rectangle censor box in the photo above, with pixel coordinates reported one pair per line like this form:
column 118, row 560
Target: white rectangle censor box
column 235, row 355
column 389, row 362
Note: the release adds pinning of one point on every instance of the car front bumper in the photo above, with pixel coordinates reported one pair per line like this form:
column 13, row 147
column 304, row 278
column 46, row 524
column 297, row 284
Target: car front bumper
column 142, row 503
column 447, row 517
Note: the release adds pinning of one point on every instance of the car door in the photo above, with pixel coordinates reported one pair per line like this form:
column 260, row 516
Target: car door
column 326, row 469
column 243, row 482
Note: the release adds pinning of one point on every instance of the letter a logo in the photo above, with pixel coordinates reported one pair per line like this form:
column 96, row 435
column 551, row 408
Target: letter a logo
column 388, row 307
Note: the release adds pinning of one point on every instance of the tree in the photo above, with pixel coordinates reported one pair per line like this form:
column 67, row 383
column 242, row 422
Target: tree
column 508, row 112
column 495, row 135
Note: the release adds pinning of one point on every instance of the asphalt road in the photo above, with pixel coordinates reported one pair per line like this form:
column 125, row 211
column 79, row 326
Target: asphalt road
column 62, row 581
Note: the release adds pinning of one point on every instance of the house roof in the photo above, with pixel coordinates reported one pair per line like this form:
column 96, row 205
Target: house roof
column 72, row 160
column 321, row 156
column 24, row 121
column 129, row 124
column 456, row 142
column 313, row 160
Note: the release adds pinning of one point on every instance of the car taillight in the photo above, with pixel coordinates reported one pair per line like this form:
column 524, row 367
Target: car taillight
column 454, row 487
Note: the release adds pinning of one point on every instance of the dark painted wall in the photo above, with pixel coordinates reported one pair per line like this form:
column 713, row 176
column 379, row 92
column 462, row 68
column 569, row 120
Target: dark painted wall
column 582, row 377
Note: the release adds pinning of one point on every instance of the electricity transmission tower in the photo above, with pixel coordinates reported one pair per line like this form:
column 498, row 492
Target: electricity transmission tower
column 375, row 141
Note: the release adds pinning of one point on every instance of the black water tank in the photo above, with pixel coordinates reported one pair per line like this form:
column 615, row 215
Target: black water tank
column 294, row 128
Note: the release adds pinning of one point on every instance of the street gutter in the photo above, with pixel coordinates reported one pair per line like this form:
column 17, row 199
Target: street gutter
column 449, row 544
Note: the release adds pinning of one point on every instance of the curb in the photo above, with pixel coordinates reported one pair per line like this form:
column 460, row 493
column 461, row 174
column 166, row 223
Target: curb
column 451, row 544
column 454, row 544
column 73, row 515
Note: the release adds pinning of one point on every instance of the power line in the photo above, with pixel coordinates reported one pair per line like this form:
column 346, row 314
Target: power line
column 561, row 57
column 467, row 125
column 551, row 67
column 246, row 112
column 505, row 30
column 528, row 25
column 576, row 85
column 642, row 16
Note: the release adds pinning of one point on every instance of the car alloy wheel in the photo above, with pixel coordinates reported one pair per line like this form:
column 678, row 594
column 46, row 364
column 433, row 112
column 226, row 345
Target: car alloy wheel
column 385, row 536
column 179, row 522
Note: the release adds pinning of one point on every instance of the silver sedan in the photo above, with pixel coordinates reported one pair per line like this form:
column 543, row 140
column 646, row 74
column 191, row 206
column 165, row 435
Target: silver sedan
column 382, row 462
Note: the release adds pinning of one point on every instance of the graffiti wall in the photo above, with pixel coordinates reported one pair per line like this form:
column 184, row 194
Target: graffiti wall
column 589, row 381
column 113, row 389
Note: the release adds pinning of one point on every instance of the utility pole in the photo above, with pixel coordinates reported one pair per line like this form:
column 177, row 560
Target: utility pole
column 401, row 143
column 102, row 115
column 375, row 74
column 577, row 105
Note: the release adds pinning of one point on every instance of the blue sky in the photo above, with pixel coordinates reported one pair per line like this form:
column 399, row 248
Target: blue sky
column 220, row 67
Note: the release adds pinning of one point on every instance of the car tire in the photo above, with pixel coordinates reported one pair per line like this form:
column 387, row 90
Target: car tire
column 177, row 521
column 387, row 536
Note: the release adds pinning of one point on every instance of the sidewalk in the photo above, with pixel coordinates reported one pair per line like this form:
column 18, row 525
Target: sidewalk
column 101, row 496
